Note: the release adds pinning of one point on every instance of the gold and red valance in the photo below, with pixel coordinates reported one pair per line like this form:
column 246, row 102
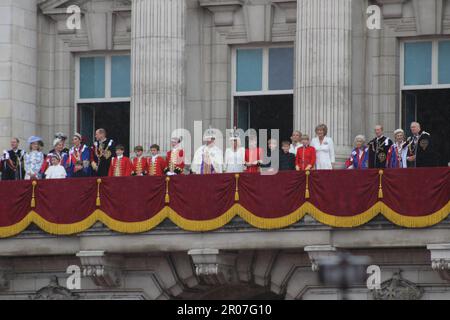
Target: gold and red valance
column 412, row 198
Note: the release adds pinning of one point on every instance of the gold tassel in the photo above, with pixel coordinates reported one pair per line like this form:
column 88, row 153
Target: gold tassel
column 98, row 202
column 236, row 193
column 167, row 198
column 380, row 188
column 33, row 198
column 307, row 184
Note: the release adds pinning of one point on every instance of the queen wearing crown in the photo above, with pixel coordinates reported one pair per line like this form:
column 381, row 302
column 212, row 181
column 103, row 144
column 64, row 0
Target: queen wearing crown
column 234, row 155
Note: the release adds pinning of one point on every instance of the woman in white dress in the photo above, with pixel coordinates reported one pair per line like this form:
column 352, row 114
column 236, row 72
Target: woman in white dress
column 34, row 158
column 324, row 146
column 234, row 156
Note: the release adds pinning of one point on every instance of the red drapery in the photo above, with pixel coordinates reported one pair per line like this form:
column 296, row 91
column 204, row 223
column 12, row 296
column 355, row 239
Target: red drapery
column 340, row 198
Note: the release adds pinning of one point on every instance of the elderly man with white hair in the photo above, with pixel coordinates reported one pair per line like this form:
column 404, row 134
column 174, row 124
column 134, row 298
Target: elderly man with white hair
column 378, row 149
column 360, row 155
column 420, row 151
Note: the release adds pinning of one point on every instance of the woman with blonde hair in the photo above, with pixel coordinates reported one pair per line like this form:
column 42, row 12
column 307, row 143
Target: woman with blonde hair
column 324, row 146
column 360, row 154
column 34, row 158
column 397, row 154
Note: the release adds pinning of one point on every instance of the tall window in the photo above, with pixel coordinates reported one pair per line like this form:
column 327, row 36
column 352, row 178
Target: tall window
column 425, row 64
column 103, row 78
column 103, row 95
column 259, row 71
column 263, row 83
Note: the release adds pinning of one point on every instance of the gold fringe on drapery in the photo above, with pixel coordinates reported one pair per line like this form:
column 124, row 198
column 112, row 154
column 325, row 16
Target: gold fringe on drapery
column 225, row 218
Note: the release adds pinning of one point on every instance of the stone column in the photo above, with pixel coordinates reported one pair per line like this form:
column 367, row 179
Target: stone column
column 323, row 69
column 158, row 70
column 18, row 70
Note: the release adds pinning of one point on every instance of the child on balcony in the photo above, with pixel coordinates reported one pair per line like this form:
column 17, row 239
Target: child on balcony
column 140, row 164
column 120, row 165
column 306, row 155
column 253, row 155
column 156, row 163
column 56, row 170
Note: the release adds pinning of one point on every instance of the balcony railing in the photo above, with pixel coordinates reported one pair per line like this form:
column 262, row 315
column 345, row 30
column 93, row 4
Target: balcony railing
column 412, row 198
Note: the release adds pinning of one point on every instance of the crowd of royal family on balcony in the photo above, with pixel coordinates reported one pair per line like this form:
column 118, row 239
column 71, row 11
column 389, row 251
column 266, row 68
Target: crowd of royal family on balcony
column 106, row 158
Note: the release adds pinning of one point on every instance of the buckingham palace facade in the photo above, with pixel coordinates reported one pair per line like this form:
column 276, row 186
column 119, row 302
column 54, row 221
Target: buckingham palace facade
column 143, row 68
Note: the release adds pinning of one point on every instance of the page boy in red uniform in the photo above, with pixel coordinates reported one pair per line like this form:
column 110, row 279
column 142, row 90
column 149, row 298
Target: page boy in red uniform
column 306, row 155
column 139, row 163
column 120, row 165
column 156, row 163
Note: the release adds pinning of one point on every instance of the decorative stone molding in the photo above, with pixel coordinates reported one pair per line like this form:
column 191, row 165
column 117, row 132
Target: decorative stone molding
column 398, row 288
column 429, row 16
column 392, row 8
column 99, row 25
column 4, row 280
column 60, row 16
column 440, row 259
column 319, row 253
column 258, row 22
column 214, row 267
column 54, row 291
column 289, row 8
column 223, row 10
column 102, row 269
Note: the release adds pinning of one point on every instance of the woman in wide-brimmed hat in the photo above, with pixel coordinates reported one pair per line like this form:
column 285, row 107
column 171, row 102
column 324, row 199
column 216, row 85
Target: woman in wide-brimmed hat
column 34, row 158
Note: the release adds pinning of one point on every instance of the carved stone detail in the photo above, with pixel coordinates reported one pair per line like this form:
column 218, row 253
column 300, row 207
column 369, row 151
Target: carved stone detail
column 398, row 288
column 214, row 267
column 440, row 259
column 102, row 269
column 223, row 10
column 54, row 291
column 289, row 8
column 319, row 253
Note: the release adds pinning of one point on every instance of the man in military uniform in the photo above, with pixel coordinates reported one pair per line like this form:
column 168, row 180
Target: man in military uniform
column 102, row 152
column 378, row 149
column 12, row 162
column 420, row 151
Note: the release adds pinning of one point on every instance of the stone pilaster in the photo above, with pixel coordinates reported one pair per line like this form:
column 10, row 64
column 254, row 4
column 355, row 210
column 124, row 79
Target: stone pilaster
column 158, row 70
column 18, row 70
column 323, row 69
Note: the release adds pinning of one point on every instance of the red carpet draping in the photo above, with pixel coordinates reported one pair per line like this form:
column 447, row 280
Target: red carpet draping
column 410, row 198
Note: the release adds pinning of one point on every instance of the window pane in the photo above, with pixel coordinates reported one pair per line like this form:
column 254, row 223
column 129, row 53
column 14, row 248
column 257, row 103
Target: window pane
column 120, row 76
column 444, row 62
column 281, row 68
column 418, row 63
column 249, row 70
column 92, row 77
